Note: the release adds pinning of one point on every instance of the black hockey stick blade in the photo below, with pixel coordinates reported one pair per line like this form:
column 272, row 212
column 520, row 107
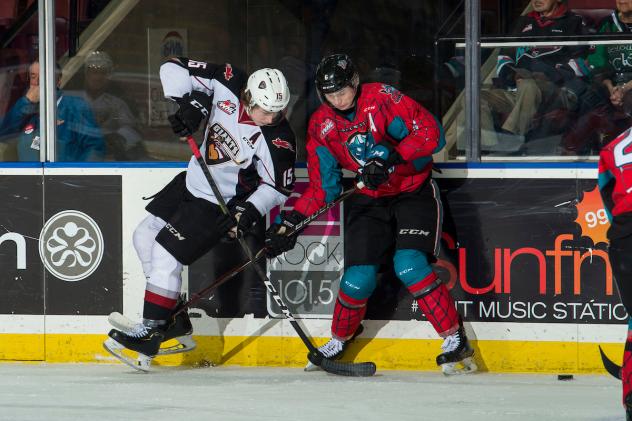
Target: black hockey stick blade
column 342, row 368
column 348, row 369
column 613, row 369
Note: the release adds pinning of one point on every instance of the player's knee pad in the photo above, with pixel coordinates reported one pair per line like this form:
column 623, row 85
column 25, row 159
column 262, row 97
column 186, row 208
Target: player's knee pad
column 348, row 314
column 436, row 303
column 144, row 238
column 411, row 266
column 359, row 281
column 163, row 286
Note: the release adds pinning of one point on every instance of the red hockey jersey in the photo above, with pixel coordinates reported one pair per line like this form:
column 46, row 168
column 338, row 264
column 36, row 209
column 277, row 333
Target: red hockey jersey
column 337, row 141
column 615, row 184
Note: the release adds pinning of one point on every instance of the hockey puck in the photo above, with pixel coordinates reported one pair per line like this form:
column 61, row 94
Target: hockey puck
column 565, row 377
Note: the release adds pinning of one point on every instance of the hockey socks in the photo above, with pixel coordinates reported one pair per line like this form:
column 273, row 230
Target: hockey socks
column 436, row 303
column 348, row 314
column 158, row 306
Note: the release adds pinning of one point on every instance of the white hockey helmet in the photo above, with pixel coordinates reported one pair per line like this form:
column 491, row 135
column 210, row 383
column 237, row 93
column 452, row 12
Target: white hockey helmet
column 268, row 89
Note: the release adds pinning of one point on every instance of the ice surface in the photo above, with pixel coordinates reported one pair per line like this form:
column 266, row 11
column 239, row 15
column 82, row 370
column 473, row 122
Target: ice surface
column 115, row 392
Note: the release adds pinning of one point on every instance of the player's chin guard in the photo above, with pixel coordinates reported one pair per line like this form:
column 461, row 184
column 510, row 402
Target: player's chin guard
column 457, row 355
column 334, row 73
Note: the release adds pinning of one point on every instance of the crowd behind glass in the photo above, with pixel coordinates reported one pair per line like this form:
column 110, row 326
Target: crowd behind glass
column 563, row 104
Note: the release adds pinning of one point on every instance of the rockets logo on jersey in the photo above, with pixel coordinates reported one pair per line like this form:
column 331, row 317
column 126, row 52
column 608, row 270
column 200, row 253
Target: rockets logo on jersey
column 280, row 143
column 395, row 95
column 227, row 106
column 228, row 72
column 359, row 146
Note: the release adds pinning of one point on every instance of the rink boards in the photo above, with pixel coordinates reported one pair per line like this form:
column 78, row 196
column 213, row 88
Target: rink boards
column 530, row 275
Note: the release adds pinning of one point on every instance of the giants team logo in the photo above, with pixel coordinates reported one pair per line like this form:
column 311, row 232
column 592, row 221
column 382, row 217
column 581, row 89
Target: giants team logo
column 228, row 72
column 221, row 147
column 395, row 95
column 326, row 127
column 227, row 106
column 280, row 143
column 71, row 245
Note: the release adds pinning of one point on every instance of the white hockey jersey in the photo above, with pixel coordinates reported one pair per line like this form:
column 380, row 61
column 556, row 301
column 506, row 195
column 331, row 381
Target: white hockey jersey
column 246, row 160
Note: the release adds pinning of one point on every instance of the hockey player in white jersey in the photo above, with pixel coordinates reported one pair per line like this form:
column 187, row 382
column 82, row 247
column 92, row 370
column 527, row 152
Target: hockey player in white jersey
column 250, row 150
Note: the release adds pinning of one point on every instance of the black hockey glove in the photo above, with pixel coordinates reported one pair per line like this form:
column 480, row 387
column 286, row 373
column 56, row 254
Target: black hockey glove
column 247, row 214
column 225, row 223
column 193, row 108
column 277, row 240
column 378, row 167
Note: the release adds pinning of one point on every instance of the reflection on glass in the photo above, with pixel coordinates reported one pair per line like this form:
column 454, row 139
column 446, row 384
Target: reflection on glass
column 392, row 41
column 78, row 136
column 113, row 115
column 18, row 49
column 549, row 100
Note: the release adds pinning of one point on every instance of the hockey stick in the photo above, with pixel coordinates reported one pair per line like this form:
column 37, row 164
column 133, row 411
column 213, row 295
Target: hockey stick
column 261, row 253
column 334, row 367
column 611, row 367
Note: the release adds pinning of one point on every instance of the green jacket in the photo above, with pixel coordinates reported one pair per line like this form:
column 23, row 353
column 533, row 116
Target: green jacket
column 612, row 62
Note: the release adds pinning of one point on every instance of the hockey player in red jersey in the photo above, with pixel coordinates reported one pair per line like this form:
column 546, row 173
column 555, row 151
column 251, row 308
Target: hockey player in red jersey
column 388, row 139
column 615, row 184
column 246, row 124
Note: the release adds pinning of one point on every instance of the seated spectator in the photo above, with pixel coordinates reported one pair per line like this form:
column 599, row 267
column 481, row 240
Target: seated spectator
column 113, row 115
column 78, row 136
column 611, row 70
column 612, row 64
column 529, row 78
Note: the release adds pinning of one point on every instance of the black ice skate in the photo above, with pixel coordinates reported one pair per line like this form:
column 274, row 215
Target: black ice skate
column 145, row 340
column 179, row 328
column 457, row 355
column 333, row 350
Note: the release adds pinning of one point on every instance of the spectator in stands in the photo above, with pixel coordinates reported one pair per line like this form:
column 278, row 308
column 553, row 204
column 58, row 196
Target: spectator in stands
column 611, row 71
column 527, row 77
column 612, row 64
column 78, row 136
column 113, row 115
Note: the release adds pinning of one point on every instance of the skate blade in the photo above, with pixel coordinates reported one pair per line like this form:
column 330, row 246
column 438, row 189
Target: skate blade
column 142, row 363
column 185, row 344
column 311, row 367
column 465, row 366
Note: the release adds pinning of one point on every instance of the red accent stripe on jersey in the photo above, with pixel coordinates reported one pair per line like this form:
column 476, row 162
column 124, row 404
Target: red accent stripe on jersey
column 159, row 300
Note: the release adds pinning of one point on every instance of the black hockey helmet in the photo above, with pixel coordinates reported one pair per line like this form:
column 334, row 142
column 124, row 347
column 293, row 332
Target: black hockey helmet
column 334, row 73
